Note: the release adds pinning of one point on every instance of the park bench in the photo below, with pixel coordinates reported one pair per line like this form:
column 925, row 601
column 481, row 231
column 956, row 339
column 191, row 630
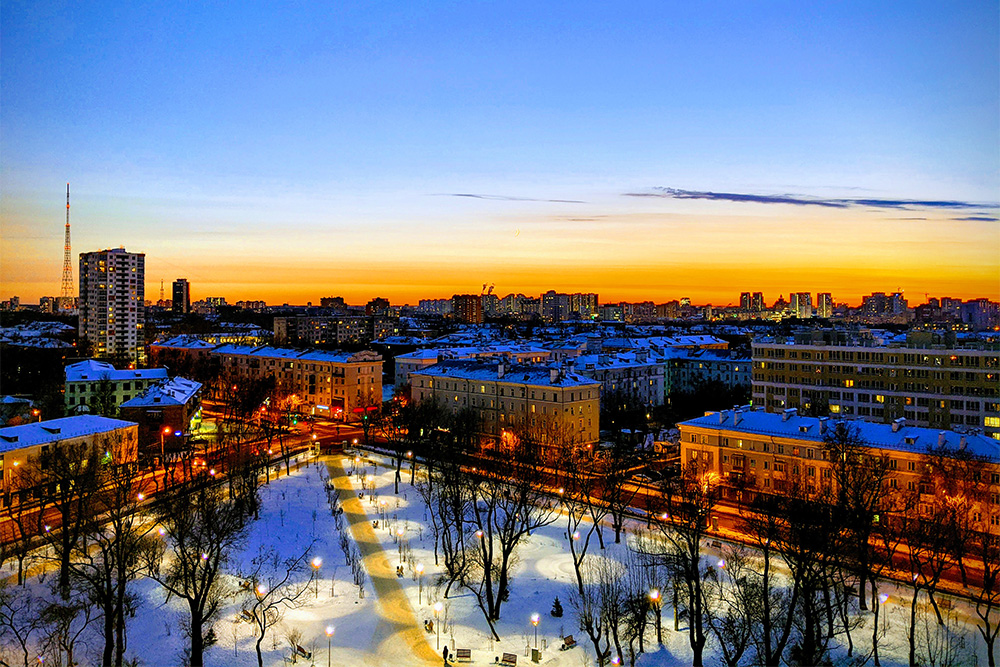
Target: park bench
column 508, row 660
column 247, row 616
column 568, row 643
column 301, row 651
column 463, row 655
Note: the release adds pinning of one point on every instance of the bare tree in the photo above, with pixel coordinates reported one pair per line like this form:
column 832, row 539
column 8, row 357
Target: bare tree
column 21, row 623
column 735, row 605
column 66, row 474
column 690, row 499
column 986, row 548
column 275, row 586
column 114, row 548
column 506, row 503
column 65, row 623
column 202, row 528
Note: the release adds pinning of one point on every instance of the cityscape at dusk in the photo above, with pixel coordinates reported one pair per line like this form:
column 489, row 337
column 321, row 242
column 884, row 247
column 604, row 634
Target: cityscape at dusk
column 414, row 153
column 573, row 334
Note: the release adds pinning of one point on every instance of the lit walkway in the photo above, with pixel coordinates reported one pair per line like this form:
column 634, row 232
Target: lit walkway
column 397, row 627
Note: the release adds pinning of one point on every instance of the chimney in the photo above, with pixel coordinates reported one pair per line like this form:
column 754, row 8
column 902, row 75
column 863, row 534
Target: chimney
column 737, row 414
column 553, row 374
column 722, row 416
column 898, row 424
column 963, row 442
column 789, row 412
column 942, row 438
column 500, row 370
column 822, row 424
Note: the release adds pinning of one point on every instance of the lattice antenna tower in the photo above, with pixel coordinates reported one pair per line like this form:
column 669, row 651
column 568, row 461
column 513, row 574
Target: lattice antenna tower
column 67, row 273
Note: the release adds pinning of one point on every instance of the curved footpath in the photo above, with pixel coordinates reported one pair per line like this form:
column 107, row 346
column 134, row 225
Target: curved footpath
column 397, row 633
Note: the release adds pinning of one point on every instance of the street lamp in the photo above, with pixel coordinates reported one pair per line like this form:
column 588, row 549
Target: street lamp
column 654, row 596
column 316, row 562
column 329, row 644
column 37, row 413
column 437, row 608
column 163, row 431
column 420, row 583
column 534, row 621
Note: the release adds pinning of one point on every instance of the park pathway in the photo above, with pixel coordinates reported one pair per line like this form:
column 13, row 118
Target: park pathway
column 397, row 627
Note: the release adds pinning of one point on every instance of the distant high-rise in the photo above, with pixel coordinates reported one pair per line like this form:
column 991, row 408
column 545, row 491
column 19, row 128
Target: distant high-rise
column 182, row 297
column 824, row 305
column 745, row 302
column 757, row 302
column 467, row 308
column 801, row 304
column 112, row 290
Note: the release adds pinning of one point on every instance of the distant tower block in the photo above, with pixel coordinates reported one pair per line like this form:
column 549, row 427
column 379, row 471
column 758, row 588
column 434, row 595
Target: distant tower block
column 67, row 272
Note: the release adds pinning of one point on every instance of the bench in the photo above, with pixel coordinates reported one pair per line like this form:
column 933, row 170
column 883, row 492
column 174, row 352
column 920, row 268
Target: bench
column 247, row 616
column 508, row 660
column 301, row 651
column 568, row 643
column 463, row 654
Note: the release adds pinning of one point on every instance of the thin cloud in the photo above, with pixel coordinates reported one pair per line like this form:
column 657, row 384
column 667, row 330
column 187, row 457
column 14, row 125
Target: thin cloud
column 802, row 200
column 976, row 218
column 506, row 198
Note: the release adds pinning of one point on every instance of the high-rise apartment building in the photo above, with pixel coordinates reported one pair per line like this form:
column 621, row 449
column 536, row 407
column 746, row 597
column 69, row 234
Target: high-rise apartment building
column 824, row 305
column 112, row 316
column 468, row 308
column 182, row 297
column 801, row 304
column 757, row 302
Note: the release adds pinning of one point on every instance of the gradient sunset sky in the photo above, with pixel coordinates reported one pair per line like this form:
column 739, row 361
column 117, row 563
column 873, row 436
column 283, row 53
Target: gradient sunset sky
column 290, row 151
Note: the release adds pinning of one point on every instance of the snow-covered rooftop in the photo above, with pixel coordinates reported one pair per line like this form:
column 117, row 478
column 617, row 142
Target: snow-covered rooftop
column 912, row 439
column 475, row 369
column 38, row 433
column 98, row 370
column 175, row 391
column 288, row 353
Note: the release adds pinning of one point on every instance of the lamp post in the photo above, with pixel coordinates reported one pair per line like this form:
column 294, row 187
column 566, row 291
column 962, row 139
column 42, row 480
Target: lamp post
column 316, row 562
column 163, row 461
column 534, row 621
column 437, row 609
column 654, row 597
column 37, row 413
column 420, row 583
column 329, row 644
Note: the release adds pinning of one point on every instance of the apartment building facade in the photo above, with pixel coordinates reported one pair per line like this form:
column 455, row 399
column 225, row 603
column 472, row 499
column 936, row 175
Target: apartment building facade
column 507, row 397
column 927, row 382
column 331, row 384
column 112, row 315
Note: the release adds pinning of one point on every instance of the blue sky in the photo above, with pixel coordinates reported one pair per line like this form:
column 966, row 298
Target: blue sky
column 191, row 130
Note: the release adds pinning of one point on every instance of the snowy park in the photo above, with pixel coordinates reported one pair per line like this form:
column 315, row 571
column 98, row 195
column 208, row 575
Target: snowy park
column 352, row 568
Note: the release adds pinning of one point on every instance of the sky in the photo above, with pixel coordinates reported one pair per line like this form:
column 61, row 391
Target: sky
column 641, row 150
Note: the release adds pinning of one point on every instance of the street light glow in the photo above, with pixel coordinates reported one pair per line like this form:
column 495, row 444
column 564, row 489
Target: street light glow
column 329, row 631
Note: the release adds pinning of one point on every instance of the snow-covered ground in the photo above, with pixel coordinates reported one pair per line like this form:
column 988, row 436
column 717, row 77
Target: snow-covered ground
column 296, row 513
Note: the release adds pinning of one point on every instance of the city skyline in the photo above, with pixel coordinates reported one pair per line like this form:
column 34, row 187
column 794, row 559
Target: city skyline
column 646, row 153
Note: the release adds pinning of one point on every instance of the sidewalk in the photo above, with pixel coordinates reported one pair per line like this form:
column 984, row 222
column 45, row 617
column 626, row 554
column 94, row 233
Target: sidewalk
column 398, row 624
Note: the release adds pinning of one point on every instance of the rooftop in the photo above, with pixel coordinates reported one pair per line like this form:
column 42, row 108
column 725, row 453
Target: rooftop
column 897, row 437
column 175, row 391
column 39, row 433
column 98, row 370
column 475, row 369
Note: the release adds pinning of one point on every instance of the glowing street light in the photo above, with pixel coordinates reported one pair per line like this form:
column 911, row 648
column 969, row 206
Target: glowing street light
column 657, row 600
column 437, row 609
column 315, row 563
column 329, row 644
column 534, row 621
column 166, row 430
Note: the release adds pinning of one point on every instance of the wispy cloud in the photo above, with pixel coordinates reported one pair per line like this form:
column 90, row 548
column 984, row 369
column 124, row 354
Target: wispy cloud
column 506, row 198
column 977, row 218
column 803, row 200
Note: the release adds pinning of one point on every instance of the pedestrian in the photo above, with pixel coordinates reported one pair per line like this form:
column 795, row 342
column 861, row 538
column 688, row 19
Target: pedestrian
column 445, row 655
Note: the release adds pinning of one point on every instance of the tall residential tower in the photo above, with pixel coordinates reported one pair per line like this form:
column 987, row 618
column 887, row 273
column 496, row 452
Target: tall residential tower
column 112, row 315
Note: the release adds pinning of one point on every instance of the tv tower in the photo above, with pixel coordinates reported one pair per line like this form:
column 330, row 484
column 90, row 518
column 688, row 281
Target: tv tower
column 67, row 274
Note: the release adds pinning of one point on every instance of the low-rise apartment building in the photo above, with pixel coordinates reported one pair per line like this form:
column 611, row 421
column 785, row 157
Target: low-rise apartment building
column 174, row 405
column 83, row 383
column 331, row 384
column 19, row 445
column 769, row 453
column 507, row 396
